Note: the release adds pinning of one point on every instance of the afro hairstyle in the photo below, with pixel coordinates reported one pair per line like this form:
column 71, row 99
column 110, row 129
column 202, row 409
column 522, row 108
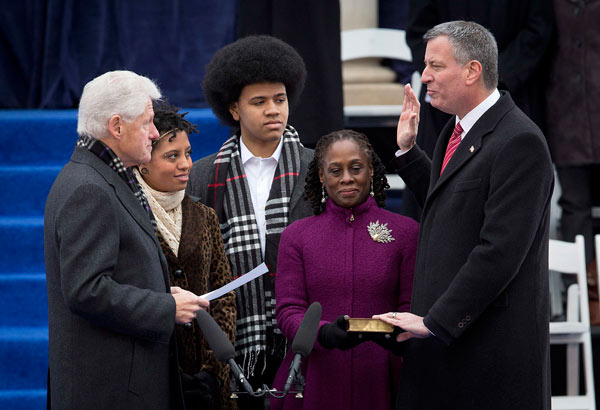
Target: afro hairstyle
column 251, row 60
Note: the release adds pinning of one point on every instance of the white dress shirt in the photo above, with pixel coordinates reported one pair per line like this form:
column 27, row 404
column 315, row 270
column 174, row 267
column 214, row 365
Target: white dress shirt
column 475, row 114
column 259, row 174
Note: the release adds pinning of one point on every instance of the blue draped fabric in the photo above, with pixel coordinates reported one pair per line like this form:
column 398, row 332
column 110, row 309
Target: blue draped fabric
column 49, row 49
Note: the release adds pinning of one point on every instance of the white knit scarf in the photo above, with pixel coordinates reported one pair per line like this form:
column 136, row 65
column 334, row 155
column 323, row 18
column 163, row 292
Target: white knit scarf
column 166, row 207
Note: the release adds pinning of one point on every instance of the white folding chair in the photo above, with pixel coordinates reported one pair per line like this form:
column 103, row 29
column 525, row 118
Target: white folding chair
column 377, row 42
column 569, row 258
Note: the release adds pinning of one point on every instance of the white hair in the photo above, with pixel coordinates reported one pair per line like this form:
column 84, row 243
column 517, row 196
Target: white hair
column 123, row 93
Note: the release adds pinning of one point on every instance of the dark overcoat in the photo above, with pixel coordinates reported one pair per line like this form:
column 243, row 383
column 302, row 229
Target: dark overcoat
column 574, row 90
column 110, row 314
column 481, row 275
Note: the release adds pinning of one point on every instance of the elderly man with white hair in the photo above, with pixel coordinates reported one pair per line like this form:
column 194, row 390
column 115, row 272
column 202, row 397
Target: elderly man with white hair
column 111, row 310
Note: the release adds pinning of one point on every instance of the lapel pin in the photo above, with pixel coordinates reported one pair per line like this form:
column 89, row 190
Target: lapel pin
column 472, row 148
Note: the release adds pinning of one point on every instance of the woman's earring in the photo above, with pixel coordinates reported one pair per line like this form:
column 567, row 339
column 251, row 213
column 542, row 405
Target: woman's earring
column 144, row 171
column 323, row 195
column 372, row 193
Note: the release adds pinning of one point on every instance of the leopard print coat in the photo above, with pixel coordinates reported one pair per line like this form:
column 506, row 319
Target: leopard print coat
column 202, row 266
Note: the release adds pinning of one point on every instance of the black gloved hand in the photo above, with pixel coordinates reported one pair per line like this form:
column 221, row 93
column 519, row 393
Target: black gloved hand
column 334, row 335
column 199, row 388
column 387, row 340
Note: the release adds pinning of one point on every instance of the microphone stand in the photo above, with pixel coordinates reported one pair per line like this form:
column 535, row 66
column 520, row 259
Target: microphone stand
column 266, row 392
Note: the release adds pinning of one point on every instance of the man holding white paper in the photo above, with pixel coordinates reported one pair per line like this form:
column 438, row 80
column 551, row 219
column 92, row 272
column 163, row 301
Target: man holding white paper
column 111, row 309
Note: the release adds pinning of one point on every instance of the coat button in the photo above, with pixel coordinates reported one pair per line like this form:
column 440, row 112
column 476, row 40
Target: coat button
column 178, row 274
column 461, row 325
column 468, row 318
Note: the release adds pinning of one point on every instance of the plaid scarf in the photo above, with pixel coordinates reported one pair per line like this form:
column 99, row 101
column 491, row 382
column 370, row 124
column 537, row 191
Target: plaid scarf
column 228, row 193
column 102, row 151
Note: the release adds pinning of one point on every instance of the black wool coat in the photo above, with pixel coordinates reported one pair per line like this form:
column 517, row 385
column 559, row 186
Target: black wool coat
column 111, row 316
column 481, row 275
column 573, row 94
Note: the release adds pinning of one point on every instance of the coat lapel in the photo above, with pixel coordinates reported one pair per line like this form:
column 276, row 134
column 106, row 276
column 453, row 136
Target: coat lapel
column 126, row 197
column 123, row 192
column 469, row 146
column 466, row 150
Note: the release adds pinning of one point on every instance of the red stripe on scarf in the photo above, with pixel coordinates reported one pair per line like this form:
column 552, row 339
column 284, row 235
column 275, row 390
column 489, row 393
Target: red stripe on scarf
column 216, row 184
column 234, row 178
column 286, row 174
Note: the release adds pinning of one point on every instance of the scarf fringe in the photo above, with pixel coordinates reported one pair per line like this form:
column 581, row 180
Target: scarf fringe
column 250, row 360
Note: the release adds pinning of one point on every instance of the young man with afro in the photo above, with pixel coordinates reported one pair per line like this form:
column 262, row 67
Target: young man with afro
column 255, row 183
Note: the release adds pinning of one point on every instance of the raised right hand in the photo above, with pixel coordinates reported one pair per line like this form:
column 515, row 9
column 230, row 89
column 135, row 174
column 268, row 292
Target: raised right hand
column 408, row 123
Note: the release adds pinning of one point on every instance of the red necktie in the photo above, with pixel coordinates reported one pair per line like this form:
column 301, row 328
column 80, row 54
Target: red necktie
column 452, row 145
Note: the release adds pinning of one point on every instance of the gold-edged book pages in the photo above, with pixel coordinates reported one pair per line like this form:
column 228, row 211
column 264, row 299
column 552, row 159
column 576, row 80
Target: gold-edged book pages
column 369, row 325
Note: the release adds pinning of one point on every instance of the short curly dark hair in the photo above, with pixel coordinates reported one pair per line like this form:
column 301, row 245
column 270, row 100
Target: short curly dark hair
column 251, row 60
column 167, row 118
column 313, row 187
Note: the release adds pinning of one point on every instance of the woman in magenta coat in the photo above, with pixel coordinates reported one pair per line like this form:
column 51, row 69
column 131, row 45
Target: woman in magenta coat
column 356, row 259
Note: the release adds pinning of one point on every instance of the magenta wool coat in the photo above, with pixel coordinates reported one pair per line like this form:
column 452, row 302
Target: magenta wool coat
column 332, row 260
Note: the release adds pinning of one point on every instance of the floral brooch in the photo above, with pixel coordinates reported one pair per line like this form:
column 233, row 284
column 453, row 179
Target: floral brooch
column 380, row 232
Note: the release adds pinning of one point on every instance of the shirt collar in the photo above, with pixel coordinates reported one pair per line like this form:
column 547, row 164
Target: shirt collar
column 472, row 116
column 246, row 155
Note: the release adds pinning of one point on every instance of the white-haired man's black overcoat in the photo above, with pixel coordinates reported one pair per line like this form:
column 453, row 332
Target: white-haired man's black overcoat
column 111, row 317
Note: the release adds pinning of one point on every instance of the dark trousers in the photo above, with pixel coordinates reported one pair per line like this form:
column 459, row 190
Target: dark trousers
column 245, row 402
column 576, row 201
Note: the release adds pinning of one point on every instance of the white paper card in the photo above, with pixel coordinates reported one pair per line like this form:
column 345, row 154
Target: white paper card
column 234, row 284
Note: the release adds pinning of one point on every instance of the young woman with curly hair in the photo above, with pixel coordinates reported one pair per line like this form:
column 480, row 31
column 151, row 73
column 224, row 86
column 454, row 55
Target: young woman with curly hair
column 191, row 241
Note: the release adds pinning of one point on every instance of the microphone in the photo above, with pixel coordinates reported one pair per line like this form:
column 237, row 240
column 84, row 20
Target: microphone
column 221, row 346
column 304, row 341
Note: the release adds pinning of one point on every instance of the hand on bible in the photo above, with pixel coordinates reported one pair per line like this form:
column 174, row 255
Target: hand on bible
column 411, row 323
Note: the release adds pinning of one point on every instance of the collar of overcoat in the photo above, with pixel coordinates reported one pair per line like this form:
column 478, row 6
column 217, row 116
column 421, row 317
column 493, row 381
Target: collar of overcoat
column 469, row 146
column 125, row 196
